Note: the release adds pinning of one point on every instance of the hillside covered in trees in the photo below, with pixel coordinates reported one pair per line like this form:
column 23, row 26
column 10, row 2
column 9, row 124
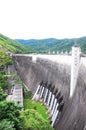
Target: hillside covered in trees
column 52, row 44
column 12, row 46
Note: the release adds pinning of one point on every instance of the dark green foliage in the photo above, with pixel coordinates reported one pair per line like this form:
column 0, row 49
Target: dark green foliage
column 4, row 58
column 6, row 125
column 2, row 95
column 9, row 62
column 4, row 61
column 3, row 81
column 52, row 44
column 31, row 120
column 28, row 94
column 11, row 112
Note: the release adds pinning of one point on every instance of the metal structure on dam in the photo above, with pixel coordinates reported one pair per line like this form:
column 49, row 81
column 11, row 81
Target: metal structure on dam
column 63, row 89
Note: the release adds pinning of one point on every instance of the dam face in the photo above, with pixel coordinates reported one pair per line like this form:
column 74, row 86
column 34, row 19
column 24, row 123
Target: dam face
column 56, row 70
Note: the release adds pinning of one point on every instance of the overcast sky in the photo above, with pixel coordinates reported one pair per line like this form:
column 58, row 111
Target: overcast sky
column 38, row 19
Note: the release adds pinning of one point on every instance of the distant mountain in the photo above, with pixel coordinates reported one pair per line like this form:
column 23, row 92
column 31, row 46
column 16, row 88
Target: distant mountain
column 52, row 44
column 13, row 46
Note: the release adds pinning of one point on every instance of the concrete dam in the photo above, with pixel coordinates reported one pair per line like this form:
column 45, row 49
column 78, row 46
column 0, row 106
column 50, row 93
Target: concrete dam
column 68, row 78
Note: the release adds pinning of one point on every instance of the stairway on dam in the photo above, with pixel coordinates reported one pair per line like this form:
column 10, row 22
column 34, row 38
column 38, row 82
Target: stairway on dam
column 15, row 92
column 56, row 70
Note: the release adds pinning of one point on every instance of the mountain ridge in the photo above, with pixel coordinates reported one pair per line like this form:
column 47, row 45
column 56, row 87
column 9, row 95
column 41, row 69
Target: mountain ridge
column 54, row 44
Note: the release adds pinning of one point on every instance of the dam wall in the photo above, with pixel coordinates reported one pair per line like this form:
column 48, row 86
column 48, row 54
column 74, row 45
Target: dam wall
column 56, row 69
column 33, row 72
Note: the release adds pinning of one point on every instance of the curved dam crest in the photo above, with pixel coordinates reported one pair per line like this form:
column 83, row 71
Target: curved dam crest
column 56, row 69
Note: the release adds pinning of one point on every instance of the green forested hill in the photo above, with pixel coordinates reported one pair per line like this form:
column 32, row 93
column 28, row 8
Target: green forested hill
column 53, row 44
column 13, row 46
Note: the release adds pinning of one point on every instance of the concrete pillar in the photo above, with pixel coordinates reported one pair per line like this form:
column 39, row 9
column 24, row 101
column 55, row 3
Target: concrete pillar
column 55, row 117
column 53, row 96
column 54, row 105
column 47, row 98
column 42, row 92
column 38, row 88
column 57, row 94
column 45, row 95
column 50, row 93
column 38, row 91
column 74, row 68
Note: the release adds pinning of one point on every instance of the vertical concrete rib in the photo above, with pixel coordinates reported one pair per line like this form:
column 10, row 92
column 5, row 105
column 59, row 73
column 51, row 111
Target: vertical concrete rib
column 36, row 92
column 74, row 68
column 54, row 115
column 53, row 98
column 45, row 95
column 54, row 118
column 42, row 92
column 50, row 93
column 53, row 109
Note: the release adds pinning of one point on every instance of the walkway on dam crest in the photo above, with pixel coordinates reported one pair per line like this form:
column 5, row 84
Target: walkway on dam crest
column 63, row 59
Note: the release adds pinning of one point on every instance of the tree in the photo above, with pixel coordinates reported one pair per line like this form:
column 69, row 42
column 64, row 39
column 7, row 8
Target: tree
column 2, row 95
column 3, row 80
column 10, row 111
column 6, row 125
column 31, row 120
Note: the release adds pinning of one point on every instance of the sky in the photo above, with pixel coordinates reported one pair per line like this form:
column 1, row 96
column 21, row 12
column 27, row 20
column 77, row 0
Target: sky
column 38, row 19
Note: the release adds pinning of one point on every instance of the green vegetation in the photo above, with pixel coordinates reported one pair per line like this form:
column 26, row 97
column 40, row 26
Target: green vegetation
column 6, row 125
column 4, row 61
column 3, row 80
column 12, row 118
column 4, row 58
column 34, row 115
column 29, row 104
column 2, row 95
column 52, row 44
column 27, row 94
column 32, row 120
column 12, row 46
column 11, row 112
